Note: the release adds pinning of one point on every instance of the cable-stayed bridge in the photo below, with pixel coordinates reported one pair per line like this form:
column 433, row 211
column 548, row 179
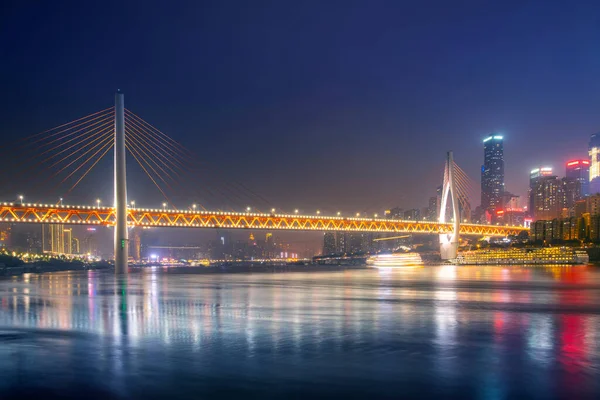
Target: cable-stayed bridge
column 70, row 152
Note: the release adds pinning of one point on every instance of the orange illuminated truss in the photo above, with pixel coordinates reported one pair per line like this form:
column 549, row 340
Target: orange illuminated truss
column 89, row 215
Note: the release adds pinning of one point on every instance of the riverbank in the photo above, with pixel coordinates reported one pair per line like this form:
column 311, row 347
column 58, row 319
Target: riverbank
column 250, row 269
column 38, row 268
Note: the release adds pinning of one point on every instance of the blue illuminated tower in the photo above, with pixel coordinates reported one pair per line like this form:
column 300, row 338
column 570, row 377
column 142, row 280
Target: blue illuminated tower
column 492, row 173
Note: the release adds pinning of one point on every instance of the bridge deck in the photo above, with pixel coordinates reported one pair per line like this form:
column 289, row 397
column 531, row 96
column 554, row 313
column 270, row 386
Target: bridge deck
column 89, row 215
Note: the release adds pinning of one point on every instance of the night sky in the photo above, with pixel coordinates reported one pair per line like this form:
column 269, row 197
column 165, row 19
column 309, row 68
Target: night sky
column 329, row 105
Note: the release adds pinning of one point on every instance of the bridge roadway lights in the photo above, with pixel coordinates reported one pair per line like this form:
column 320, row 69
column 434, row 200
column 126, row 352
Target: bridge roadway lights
column 88, row 215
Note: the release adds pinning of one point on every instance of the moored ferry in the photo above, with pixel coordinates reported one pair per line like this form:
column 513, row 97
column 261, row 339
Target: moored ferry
column 395, row 260
column 523, row 256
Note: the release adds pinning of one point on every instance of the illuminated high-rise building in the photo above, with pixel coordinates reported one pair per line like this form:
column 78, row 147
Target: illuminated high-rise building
column 5, row 235
column 53, row 238
column 492, row 172
column 546, row 198
column 329, row 243
column 432, row 210
column 569, row 195
column 580, row 170
column 68, row 241
column 594, row 153
column 534, row 176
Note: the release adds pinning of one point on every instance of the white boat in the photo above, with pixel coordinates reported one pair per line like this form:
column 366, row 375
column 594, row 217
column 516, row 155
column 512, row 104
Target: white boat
column 395, row 260
column 524, row 256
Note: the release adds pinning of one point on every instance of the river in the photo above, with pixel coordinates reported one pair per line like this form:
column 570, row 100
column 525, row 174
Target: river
column 427, row 332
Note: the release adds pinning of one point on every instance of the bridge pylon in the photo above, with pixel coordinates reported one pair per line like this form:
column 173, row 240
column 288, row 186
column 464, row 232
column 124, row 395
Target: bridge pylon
column 121, row 244
column 449, row 241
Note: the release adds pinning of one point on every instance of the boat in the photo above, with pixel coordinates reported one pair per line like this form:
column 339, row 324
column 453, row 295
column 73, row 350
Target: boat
column 523, row 256
column 395, row 260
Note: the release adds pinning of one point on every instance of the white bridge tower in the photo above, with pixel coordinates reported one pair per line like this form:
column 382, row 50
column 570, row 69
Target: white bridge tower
column 449, row 241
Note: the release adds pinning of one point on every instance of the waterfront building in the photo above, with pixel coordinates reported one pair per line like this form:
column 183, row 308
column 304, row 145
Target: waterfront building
column 592, row 204
column 534, row 176
column 395, row 213
column 546, row 198
column 53, row 238
column 594, row 228
column 580, row 170
column 329, row 243
column 510, row 200
column 511, row 216
column 492, row 172
column 572, row 228
column 432, row 209
column 68, row 241
column 5, row 234
column 414, row 214
column 569, row 194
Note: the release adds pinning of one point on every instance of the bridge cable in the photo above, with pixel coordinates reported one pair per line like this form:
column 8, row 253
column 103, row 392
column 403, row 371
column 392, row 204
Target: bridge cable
column 90, row 168
column 104, row 139
column 68, row 123
column 154, row 140
column 149, row 176
column 171, row 143
column 107, row 142
column 100, row 136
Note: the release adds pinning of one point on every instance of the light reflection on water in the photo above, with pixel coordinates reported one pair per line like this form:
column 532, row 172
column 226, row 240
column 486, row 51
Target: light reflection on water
column 486, row 332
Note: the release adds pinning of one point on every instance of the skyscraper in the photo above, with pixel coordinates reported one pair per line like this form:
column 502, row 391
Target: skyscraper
column 492, row 172
column 53, row 238
column 432, row 210
column 329, row 243
column 569, row 194
column 534, row 176
column 580, row 170
column 594, row 152
column 546, row 198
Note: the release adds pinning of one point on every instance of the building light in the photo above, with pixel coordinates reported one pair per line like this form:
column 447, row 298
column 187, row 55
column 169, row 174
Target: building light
column 498, row 137
column 570, row 163
column 486, row 139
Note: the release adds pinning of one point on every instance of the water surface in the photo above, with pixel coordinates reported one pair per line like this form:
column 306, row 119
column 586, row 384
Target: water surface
column 430, row 332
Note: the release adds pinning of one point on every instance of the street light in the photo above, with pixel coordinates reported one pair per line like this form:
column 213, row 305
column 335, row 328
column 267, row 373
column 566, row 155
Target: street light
column 272, row 210
column 164, row 206
column 376, row 215
column 296, row 211
column 358, row 214
column 318, row 212
column 60, row 201
column 339, row 213
column 21, row 198
column 132, row 203
column 248, row 209
column 194, row 207
column 98, row 203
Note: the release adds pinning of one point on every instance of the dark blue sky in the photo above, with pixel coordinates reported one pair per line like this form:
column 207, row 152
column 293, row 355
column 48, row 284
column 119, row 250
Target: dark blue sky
column 316, row 104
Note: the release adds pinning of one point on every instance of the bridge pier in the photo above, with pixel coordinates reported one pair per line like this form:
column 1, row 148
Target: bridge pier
column 449, row 242
column 121, row 236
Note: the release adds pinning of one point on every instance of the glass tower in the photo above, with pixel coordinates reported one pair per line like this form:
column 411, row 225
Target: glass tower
column 580, row 170
column 492, row 173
